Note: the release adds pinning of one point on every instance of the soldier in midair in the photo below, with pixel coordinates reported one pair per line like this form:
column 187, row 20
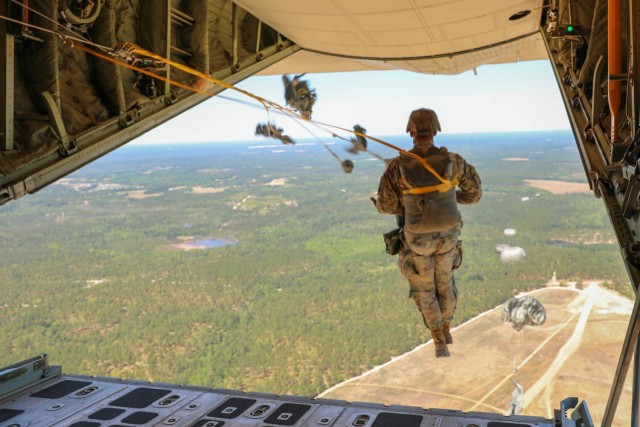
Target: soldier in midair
column 424, row 186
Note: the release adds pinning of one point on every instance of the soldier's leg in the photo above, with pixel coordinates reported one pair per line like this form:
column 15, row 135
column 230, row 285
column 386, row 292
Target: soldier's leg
column 445, row 285
column 419, row 269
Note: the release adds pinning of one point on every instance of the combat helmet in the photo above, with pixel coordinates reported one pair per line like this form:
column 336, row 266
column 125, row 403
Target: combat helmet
column 423, row 120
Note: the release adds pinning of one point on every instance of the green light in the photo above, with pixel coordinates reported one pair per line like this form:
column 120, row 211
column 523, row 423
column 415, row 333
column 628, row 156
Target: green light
column 569, row 28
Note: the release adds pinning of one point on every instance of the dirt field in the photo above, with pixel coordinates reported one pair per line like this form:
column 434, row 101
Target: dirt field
column 574, row 353
column 141, row 194
column 276, row 182
column 207, row 190
column 558, row 187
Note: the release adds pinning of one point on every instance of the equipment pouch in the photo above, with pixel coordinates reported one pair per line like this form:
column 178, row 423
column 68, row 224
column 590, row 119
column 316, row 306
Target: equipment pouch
column 393, row 241
column 457, row 256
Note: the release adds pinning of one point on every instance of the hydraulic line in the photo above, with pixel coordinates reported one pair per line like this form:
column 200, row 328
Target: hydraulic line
column 614, row 64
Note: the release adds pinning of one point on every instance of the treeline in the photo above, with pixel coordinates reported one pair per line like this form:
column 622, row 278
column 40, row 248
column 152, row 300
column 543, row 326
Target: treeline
column 307, row 297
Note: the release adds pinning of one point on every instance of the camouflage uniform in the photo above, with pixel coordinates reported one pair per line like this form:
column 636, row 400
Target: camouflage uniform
column 427, row 259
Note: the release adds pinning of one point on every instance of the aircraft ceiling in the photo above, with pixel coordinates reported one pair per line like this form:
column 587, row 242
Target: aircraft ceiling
column 65, row 103
column 426, row 36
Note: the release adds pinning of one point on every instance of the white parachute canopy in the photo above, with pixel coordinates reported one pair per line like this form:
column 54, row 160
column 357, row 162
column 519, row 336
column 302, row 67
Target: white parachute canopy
column 512, row 253
column 509, row 232
column 501, row 247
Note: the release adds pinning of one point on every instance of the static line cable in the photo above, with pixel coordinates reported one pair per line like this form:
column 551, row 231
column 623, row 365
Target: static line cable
column 64, row 37
column 127, row 49
column 320, row 140
column 84, row 39
column 141, row 70
column 319, row 125
column 377, row 156
column 287, row 113
column 133, row 49
column 347, row 165
column 444, row 182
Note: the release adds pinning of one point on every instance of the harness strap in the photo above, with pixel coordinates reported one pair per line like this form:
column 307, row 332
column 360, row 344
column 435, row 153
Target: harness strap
column 441, row 188
column 445, row 184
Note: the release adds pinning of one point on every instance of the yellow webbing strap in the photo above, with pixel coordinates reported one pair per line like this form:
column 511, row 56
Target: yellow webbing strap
column 134, row 49
column 441, row 188
column 445, row 184
column 140, row 51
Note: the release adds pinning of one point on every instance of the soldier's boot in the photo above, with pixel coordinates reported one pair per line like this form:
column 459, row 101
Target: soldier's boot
column 446, row 328
column 439, row 342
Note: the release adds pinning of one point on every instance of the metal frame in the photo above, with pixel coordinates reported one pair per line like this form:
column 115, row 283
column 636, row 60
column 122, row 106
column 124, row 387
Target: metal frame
column 110, row 135
column 167, row 52
column 7, row 54
column 594, row 149
column 629, row 348
column 597, row 152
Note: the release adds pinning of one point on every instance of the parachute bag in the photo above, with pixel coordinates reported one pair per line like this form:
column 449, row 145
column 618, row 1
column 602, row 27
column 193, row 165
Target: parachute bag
column 457, row 256
column 393, row 241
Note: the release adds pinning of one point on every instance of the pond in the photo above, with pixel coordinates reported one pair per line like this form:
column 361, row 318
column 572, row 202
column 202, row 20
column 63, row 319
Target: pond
column 205, row 243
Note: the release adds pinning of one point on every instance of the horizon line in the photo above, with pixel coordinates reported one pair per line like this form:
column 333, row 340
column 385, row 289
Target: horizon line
column 146, row 143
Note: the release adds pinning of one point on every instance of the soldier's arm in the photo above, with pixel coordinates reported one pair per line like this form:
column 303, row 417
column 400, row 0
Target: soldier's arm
column 389, row 193
column 469, row 187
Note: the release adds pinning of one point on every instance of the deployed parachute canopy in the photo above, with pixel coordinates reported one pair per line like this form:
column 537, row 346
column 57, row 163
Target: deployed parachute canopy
column 512, row 253
column 298, row 95
column 523, row 311
column 502, row 247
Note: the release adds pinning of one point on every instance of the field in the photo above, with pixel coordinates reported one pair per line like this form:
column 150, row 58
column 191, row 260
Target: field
column 559, row 187
column 571, row 354
column 302, row 295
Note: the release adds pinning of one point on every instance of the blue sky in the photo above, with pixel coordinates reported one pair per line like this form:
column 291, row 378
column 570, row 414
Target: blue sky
column 508, row 97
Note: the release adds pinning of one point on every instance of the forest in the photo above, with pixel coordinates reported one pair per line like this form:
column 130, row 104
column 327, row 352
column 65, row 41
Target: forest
column 302, row 295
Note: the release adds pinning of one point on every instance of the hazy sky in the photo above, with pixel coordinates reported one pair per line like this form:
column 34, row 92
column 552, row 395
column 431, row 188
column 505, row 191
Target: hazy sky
column 509, row 97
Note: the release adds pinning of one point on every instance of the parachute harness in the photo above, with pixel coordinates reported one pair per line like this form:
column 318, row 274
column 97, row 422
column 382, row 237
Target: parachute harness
column 444, row 186
column 127, row 54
